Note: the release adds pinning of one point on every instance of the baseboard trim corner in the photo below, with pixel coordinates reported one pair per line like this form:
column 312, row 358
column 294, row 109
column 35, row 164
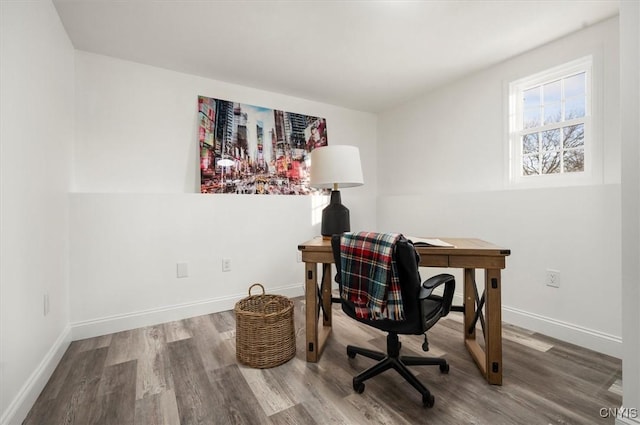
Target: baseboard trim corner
column 23, row 402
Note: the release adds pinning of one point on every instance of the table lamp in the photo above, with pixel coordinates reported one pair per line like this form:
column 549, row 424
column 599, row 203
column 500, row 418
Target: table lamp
column 332, row 167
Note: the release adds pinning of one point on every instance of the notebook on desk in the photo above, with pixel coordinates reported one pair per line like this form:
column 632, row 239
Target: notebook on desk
column 430, row 242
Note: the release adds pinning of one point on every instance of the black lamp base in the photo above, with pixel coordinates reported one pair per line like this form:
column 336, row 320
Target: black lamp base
column 335, row 216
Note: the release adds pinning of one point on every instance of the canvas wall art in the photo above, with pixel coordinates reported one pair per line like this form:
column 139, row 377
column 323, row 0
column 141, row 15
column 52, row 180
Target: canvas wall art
column 246, row 149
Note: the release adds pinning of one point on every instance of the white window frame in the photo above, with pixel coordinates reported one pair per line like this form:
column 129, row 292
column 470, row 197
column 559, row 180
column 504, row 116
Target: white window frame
column 592, row 173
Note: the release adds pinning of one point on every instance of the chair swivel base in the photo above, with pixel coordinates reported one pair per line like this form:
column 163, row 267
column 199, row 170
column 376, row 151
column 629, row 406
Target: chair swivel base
column 392, row 359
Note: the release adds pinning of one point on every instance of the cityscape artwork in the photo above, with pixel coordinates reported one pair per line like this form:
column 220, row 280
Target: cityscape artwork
column 247, row 149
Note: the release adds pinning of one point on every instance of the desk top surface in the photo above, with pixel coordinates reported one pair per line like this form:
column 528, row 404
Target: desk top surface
column 461, row 246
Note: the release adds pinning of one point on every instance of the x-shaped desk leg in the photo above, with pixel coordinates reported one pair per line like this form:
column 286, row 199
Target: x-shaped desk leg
column 489, row 358
column 479, row 314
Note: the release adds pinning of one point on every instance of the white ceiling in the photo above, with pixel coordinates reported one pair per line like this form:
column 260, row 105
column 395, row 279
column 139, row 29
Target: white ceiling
column 364, row 55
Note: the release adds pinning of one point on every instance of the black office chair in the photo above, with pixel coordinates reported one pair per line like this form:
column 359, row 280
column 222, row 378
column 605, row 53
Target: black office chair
column 422, row 309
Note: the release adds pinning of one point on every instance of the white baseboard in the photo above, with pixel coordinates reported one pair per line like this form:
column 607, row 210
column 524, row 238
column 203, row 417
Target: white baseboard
column 568, row 332
column 138, row 319
column 22, row 403
column 20, row 406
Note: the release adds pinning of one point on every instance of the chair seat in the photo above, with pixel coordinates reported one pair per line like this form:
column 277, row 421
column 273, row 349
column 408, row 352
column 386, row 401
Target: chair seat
column 403, row 327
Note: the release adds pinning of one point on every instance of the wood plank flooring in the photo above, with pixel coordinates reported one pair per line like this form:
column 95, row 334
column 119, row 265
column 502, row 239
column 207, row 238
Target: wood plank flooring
column 186, row 372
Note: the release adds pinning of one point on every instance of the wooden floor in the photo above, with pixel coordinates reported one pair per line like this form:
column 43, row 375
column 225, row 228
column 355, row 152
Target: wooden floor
column 185, row 372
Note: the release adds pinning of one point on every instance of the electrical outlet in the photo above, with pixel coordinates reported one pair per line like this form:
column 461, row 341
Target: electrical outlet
column 182, row 270
column 553, row 278
column 226, row 264
column 299, row 256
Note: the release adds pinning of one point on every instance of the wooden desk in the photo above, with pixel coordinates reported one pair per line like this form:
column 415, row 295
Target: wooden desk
column 468, row 254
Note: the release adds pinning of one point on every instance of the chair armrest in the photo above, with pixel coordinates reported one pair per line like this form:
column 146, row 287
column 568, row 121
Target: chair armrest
column 432, row 283
column 435, row 281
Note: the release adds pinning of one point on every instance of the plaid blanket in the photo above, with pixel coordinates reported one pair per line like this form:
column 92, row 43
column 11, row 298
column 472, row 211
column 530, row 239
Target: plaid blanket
column 369, row 275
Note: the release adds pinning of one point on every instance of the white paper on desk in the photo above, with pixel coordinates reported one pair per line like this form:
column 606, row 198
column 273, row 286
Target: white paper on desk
column 430, row 242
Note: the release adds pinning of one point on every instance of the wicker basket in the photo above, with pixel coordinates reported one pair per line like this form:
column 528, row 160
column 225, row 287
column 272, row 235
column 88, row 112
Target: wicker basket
column 265, row 333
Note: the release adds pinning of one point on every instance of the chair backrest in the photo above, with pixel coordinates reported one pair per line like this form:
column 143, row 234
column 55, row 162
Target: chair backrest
column 407, row 260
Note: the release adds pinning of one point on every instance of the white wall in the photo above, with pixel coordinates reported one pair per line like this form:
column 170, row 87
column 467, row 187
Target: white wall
column 36, row 111
column 135, row 212
column 630, row 119
column 442, row 172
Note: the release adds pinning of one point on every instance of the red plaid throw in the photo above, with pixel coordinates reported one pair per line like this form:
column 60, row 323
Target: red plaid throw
column 369, row 275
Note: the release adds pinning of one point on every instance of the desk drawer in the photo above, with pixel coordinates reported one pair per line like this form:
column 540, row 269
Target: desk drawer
column 317, row 256
column 434, row 261
column 475, row 261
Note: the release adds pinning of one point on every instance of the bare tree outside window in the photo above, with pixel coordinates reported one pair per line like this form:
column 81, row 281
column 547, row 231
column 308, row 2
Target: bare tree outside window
column 553, row 151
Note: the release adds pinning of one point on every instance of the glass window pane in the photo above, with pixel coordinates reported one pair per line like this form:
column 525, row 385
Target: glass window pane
column 530, row 143
column 550, row 139
column 574, row 161
column 531, row 117
column 551, row 92
column 550, row 162
column 530, row 165
column 552, row 113
column 552, row 119
column 573, row 136
column 574, row 107
column 531, row 97
column 575, row 85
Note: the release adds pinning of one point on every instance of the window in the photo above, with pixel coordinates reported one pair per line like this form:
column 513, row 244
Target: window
column 550, row 132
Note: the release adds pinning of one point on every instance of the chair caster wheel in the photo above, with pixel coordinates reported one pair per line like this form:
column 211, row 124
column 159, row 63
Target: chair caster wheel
column 428, row 400
column 358, row 386
column 351, row 353
column 444, row 368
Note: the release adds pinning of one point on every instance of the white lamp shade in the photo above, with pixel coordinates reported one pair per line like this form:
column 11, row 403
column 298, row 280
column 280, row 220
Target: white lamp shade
column 335, row 164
